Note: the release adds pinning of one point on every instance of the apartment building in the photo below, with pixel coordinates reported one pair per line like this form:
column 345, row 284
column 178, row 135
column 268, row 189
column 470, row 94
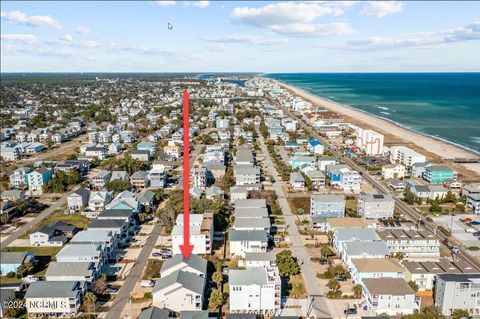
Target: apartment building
column 247, row 241
column 375, row 206
column 458, row 291
column 412, row 245
column 324, row 205
column 405, row 156
column 201, row 234
column 246, row 175
column 392, row 296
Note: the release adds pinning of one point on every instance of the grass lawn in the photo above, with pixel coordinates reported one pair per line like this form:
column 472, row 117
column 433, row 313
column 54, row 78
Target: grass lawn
column 152, row 270
column 75, row 219
column 299, row 205
column 294, row 287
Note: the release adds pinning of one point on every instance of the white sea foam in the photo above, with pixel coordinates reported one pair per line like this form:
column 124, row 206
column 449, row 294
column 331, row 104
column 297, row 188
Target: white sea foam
column 383, row 107
column 386, row 113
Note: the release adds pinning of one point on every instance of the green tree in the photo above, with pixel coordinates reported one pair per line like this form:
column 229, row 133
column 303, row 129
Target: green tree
column 100, row 285
column 408, row 197
column 89, row 301
column 357, row 290
column 118, row 185
column 333, row 284
column 216, row 300
column 287, row 265
column 326, row 252
column 426, row 313
column 460, row 313
column 217, row 277
column 450, row 197
column 435, row 207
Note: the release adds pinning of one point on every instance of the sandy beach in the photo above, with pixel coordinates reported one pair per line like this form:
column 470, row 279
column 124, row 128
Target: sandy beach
column 434, row 149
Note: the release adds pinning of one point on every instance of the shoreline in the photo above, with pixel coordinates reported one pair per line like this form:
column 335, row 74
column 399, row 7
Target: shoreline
column 432, row 147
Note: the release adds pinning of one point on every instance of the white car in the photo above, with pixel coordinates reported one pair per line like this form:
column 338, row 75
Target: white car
column 147, row 283
column 470, row 230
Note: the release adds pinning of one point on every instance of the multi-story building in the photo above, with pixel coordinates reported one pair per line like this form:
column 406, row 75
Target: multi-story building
column 438, row 174
column 19, row 178
column 391, row 171
column 458, row 291
column 424, row 274
column 323, row 205
column 201, row 234
column 375, row 206
column 38, row 178
column 101, row 179
column 246, row 175
column 405, row 156
column 473, row 202
column 369, row 141
column 392, row 296
column 376, row 268
column 200, row 177
column 412, row 245
column 254, row 290
column 247, row 241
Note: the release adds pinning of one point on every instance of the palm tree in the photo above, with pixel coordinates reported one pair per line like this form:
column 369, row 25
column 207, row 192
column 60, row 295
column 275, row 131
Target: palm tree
column 28, row 267
column 216, row 299
column 357, row 290
column 217, row 277
column 89, row 301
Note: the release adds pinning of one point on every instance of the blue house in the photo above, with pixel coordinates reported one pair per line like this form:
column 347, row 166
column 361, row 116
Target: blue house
column 299, row 160
column 315, row 147
column 146, row 146
column 10, row 261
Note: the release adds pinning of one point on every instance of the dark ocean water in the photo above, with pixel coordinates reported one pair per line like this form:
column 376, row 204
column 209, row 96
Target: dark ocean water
column 442, row 105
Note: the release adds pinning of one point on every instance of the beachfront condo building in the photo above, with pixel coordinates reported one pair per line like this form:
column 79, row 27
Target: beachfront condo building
column 405, row 156
column 438, row 174
column 369, row 141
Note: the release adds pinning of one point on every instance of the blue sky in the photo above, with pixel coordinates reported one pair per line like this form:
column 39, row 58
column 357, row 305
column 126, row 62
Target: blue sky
column 347, row 36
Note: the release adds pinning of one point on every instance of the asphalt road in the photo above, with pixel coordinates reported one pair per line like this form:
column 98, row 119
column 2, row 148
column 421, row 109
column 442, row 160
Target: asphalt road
column 44, row 214
column 404, row 207
column 319, row 302
column 134, row 275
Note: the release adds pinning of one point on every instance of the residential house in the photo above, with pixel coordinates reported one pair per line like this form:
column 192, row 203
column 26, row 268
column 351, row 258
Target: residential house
column 246, row 175
column 98, row 200
column 458, row 292
column 47, row 236
column 323, row 161
column 299, row 160
column 473, row 202
column 425, row 273
column 19, row 178
column 245, row 241
column 375, row 206
column 317, row 178
column 141, row 155
column 101, row 179
column 315, row 147
column 11, row 261
column 324, row 205
column 200, row 177
column 71, row 271
column 146, row 198
column 179, row 291
column 78, row 200
column 238, row 193
column 376, row 268
column 252, row 290
column 194, row 264
column 12, row 195
column 173, row 151
column 342, row 235
column 438, row 174
column 54, row 298
column 411, row 245
column 393, row 171
column 82, row 253
column 391, row 296
column 119, row 175
column 297, row 181
column 96, row 152
column 139, row 180
column 201, row 234
column 125, row 200
column 38, row 178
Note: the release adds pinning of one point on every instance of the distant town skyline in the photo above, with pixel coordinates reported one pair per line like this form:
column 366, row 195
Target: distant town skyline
column 221, row 36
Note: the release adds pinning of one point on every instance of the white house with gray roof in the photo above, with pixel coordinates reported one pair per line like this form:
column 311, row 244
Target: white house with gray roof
column 374, row 206
column 179, row 291
column 54, row 298
column 367, row 249
column 252, row 290
column 71, row 271
column 195, row 264
column 344, row 235
column 251, row 223
column 328, row 206
column 243, row 241
column 82, row 253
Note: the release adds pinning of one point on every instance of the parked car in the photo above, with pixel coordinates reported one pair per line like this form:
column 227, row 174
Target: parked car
column 470, row 230
column 398, row 223
column 341, row 278
column 350, row 311
column 421, row 223
column 156, row 255
column 474, row 223
column 147, row 283
column 111, row 291
column 476, row 234
column 455, row 250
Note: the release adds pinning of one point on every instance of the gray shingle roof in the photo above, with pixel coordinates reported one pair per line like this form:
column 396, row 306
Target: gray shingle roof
column 70, row 269
column 13, row 257
column 248, row 235
column 195, row 262
column 388, row 286
column 247, row 276
column 188, row 280
column 200, row 314
column 52, row 289
column 154, row 313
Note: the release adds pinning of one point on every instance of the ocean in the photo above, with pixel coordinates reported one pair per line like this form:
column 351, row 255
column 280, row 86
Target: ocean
column 442, row 105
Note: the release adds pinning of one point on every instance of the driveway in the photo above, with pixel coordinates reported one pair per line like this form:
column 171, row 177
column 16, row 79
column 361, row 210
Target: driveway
column 317, row 306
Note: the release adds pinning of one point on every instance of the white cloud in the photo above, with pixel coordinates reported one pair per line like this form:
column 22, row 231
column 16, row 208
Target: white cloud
column 245, row 38
column 217, row 48
column 201, row 4
column 83, row 30
column 295, row 18
column 89, row 44
column 381, row 8
column 23, row 38
column 470, row 32
column 66, row 38
column 20, row 17
column 314, row 30
column 165, row 3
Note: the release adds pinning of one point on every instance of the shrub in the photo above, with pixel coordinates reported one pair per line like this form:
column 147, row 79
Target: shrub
column 334, row 294
column 445, row 231
column 11, row 274
column 147, row 295
column 473, row 248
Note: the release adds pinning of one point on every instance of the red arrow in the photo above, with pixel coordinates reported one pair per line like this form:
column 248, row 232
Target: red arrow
column 186, row 248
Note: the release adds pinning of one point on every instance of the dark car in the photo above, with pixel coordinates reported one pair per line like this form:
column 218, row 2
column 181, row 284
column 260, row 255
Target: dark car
column 398, row 223
column 475, row 223
column 476, row 234
column 350, row 311
column 156, row 255
column 421, row 223
column 341, row 278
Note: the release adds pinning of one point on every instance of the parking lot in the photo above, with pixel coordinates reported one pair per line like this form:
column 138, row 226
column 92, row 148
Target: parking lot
column 457, row 227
